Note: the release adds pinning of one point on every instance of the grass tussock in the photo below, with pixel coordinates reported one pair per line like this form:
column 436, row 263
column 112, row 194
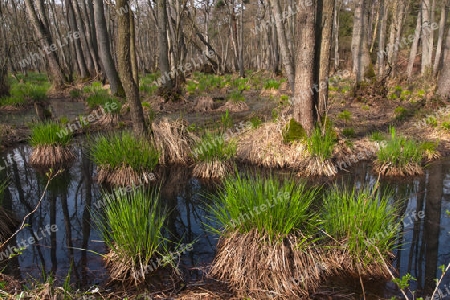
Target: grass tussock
column 264, row 146
column 50, row 145
column 132, row 228
column 268, row 236
column 399, row 156
column 31, row 88
column 214, row 156
column 364, row 227
column 173, row 141
column 123, row 158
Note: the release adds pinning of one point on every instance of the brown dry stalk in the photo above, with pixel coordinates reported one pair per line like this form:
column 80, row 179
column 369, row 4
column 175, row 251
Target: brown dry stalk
column 250, row 262
column 51, row 156
column 173, row 141
column 123, row 176
column 387, row 169
column 215, row 169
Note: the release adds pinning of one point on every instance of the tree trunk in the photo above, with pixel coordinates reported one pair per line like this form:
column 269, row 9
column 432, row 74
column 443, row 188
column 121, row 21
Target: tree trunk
column 382, row 38
column 43, row 34
column 77, row 43
column 305, row 100
column 414, row 45
column 131, row 87
column 241, row 42
column 134, row 64
column 337, row 7
column 163, row 45
column 438, row 57
column 105, row 50
column 360, row 49
column 282, row 41
column 325, row 37
column 427, row 39
column 443, row 89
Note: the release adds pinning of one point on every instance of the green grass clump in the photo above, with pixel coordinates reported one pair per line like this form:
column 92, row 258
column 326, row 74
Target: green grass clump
column 76, row 93
column 321, row 142
column 364, row 219
column 124, row 149
column 226, row 120
column 399, row 151
column 236, row 96
column 213, row 147
column 21, row 93
column 94, row 87
column 432, row 121
column 377, row 136
column 274, row 208
column 50, row 134
column 400, row 113
column 272, row 84
column 100, row 98
column 132, row 227
column 256, row 121
column 345, row 115
column 349, row 132
column 446, row 125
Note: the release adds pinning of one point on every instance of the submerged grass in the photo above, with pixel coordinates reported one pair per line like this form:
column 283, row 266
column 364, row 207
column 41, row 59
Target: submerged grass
column 275, row 208
column 49, row 134
column 132, row 227
column 124, row 149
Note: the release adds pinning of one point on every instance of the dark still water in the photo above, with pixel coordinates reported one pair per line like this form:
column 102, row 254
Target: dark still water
column 70, row 198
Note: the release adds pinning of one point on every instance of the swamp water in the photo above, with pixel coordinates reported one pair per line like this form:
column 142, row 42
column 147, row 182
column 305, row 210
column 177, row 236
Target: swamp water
column 73, row 195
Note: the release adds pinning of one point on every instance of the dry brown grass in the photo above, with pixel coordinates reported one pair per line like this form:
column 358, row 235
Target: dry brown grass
column 341, row 263
column 107, row 119
column 264, row 147
column 51, row 156
column 253, row 265
column 173, row 141
column 215, row 169
column 124, row 176
column 387, row 169
column 234, row 106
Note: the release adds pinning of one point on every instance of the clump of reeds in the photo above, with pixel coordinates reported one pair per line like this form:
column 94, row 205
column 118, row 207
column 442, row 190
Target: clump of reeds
column 132, row 227
column 363, row 226
column 50, row 145
column 320, row 144
column 123, row 158
column 173, row 141
column 399, row 156
column 268, row 237
column 214, row 156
